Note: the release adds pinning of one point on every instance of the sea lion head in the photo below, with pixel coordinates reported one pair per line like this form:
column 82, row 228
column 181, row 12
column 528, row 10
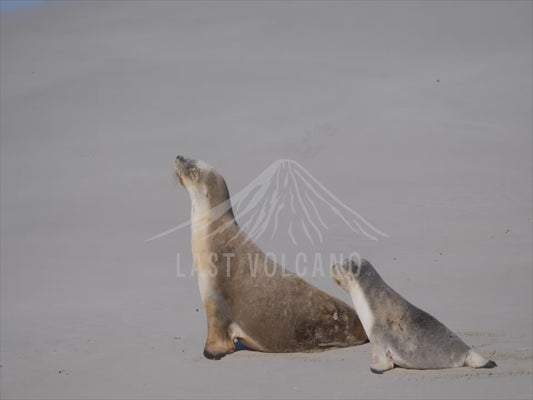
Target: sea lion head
column 206, row 187
column 350, row 271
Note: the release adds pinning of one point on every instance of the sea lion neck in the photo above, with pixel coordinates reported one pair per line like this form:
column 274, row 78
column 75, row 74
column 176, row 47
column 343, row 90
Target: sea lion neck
column 209, row 218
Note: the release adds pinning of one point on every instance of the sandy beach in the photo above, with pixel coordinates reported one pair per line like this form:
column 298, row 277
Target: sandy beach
column 416, row 115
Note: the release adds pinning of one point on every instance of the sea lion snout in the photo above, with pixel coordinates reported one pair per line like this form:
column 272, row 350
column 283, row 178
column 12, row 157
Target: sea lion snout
column 340, row 274
column 183, row 165
column 182, row 162
column 180, row 165
column 335, row 270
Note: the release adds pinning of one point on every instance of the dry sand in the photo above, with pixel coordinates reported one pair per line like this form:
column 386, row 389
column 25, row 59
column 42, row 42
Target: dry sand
column 417, row 115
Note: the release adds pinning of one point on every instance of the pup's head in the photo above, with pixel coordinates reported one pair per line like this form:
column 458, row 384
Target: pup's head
column 349, row 272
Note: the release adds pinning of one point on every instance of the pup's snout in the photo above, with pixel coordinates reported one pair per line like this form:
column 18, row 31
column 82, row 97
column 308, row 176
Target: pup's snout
column 180, row 158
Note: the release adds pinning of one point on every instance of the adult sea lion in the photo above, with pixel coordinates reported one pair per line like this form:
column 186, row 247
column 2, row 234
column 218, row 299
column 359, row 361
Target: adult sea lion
column 247, row 296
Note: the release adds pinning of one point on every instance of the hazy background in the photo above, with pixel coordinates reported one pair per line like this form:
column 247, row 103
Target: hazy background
column 418, row 115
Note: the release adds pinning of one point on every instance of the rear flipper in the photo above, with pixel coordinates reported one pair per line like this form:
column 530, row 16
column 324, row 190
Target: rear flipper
column 476, row 360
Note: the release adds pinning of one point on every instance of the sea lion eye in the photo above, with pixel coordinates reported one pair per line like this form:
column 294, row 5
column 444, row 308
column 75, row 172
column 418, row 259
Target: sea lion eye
column 355, row 268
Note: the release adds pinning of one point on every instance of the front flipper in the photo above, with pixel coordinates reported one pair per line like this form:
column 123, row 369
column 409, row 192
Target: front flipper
column 381, row 359
column 219, row 342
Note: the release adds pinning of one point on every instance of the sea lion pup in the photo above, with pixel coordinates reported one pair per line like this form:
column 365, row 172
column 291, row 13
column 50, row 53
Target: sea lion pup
column 401, row 334
column 247, row 296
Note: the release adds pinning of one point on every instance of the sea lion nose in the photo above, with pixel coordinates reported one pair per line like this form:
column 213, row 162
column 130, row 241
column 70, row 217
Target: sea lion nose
column 181, row 158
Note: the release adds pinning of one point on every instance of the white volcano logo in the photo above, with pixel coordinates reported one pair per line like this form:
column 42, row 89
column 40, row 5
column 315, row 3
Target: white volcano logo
column 285, row 196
